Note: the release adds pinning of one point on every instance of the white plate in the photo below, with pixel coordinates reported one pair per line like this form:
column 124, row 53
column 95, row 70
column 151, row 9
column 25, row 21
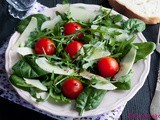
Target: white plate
column 112, row 99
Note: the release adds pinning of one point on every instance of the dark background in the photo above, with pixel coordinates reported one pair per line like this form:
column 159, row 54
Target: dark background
column 138, row 106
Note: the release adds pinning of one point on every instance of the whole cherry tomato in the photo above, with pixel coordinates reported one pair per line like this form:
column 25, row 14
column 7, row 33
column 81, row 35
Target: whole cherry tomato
column 108, row 67
column 71, row 28
column 45, row 46
column 71, row 88
column 72, row 48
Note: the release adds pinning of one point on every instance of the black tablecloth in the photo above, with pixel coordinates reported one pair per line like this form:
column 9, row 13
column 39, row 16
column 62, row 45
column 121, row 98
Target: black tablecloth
column 138, row 106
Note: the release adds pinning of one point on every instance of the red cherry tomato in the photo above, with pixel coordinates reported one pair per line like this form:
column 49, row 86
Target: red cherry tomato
column 72, row 48
column 71, row 88
column 108, row 67
column 45, row 46
column 71, row 28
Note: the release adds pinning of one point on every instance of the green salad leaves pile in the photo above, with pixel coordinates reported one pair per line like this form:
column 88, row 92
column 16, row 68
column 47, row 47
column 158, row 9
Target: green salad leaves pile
column 105, row 34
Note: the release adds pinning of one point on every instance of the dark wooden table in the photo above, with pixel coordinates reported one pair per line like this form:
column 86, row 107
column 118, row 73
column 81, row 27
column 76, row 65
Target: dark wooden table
column 136, row 109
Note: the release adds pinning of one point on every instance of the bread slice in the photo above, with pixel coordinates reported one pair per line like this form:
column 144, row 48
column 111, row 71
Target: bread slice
column 146, row 10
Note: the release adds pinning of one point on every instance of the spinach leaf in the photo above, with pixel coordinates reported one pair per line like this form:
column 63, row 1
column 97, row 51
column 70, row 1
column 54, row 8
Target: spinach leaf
column 19, row 82
column 26, row 67
column 123, row 86
column 23, row 24
column 144, row 49
column 134, row 25
column 124, row 83
column 89, row 99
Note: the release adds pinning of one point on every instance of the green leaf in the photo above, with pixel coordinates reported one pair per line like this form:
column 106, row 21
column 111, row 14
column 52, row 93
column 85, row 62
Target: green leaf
column 19, row 82
column 26, row 67
column 117, row 18
column 54, row 90
column 134, row 25
column 59, row 98
column 23, row 23
column 144, row 49
column 123, row 86
column 124, row 83
column 89, row 99
column 65, row 2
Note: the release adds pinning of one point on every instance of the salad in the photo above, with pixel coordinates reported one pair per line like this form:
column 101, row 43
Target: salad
column 77, row 57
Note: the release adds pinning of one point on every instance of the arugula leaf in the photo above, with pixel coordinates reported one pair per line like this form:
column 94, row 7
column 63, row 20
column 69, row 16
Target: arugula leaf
column 23, row 23
column 54, row 85
column 144, row 49
column 59, row 98
column 117, row 18
column 134, row 25
column 89, row 99
column 121, row 48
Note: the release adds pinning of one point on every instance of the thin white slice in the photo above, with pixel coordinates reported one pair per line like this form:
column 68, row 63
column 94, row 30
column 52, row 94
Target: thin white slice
column 36, row 83
column 51, row 23
column 126, row 63
column 25, row 51
column 103, row 84
column 24, row 36
column 97, row 54
column 122, row 36
column 77, row 13
column 44, row 64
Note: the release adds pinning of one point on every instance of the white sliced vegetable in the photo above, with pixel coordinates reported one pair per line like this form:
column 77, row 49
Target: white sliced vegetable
column 102, row 84
column 98, row 53
column 63, row 8
column 36, row 83
column 126, row 63
column 122, row 36
column 44, row 64
column 51, row 23
column 25, row 51
column 77, row 13
column 24, row 36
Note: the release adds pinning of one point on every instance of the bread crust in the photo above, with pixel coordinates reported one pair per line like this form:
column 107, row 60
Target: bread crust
column 119, row 7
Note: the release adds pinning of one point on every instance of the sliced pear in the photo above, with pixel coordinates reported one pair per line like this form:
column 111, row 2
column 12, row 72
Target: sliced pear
column 44, row 64
column 123, row 34
column 77, row 13
column 36, row 83
column 24, row 36
column 98, row 53
column 126, row 63
column 51, row 23
column 25, row 51
column 102, row 82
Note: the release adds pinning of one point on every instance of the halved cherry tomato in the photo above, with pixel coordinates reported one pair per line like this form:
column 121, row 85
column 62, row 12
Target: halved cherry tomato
column 71, row 28
column 45, row 46
column 108, row 67
column 71, row 88
column 72, row 49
